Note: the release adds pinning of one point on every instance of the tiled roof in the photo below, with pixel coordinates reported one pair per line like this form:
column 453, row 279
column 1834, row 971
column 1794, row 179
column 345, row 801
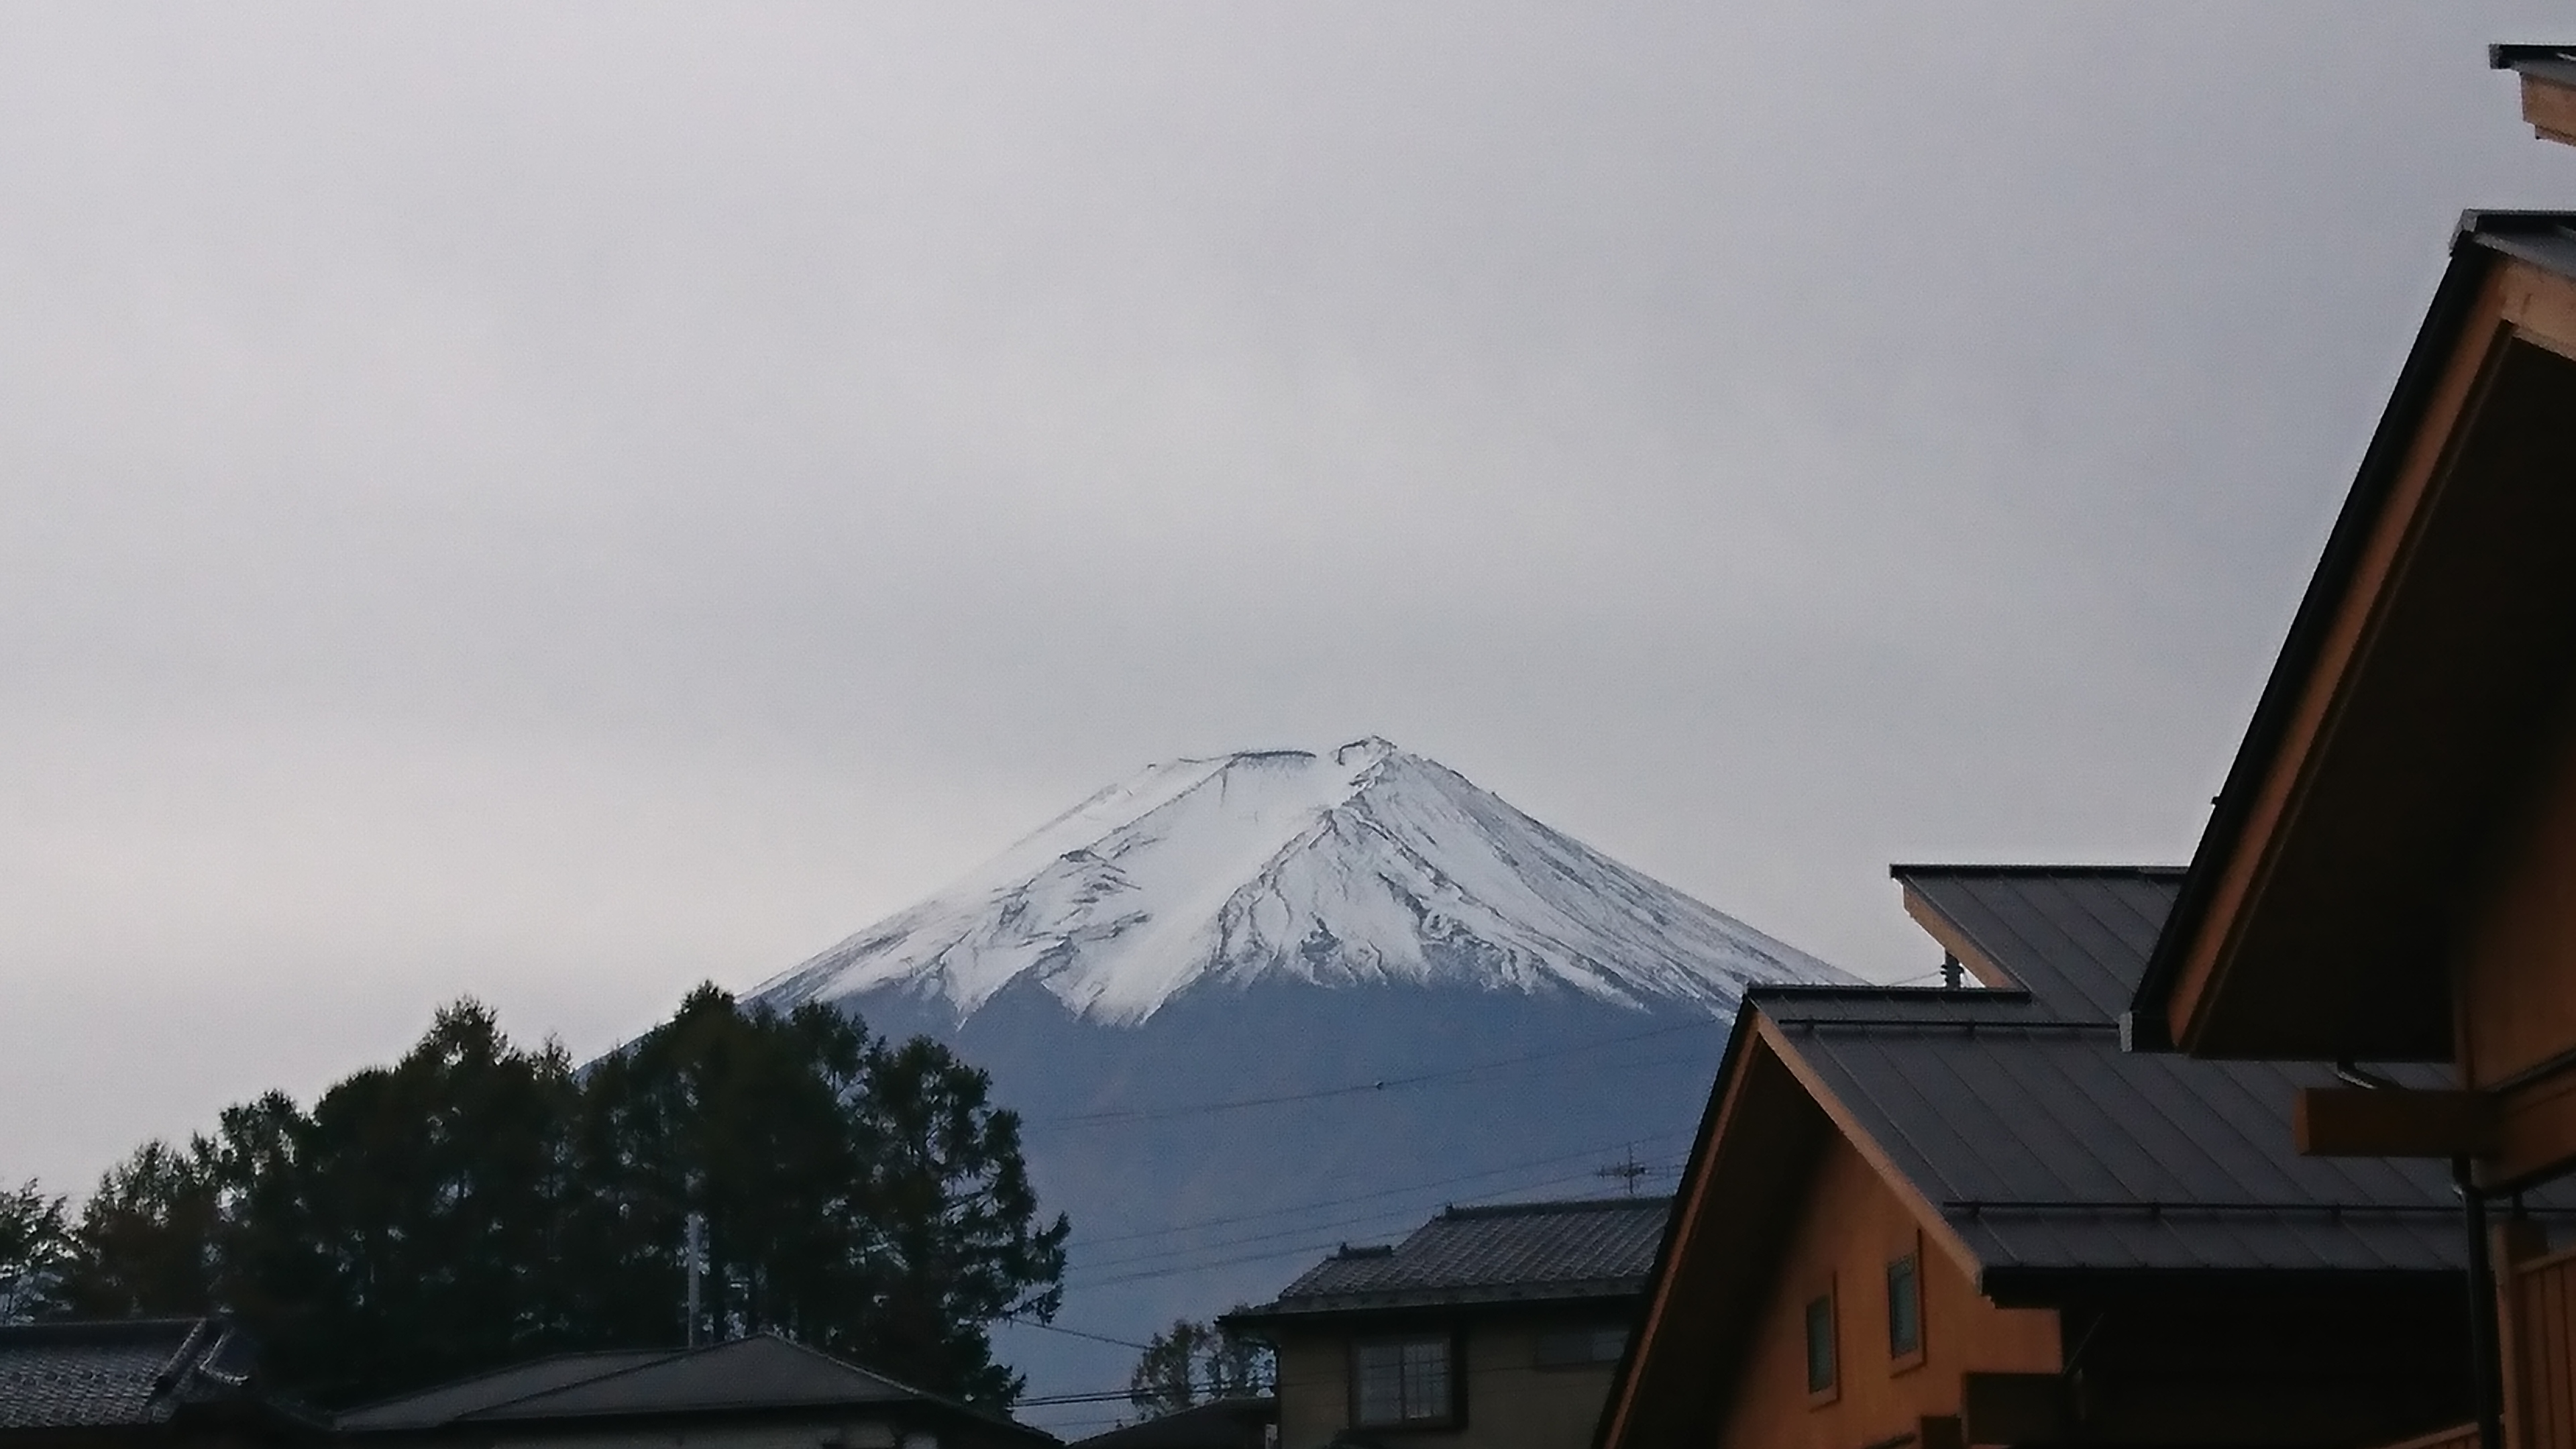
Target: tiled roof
column 1600, row 1247
column 111, row 1374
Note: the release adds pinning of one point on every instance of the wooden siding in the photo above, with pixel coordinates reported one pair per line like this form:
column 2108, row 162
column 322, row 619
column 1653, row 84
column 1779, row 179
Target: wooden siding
column 1853, row 1227
column 2517, row 969
column 2539, row 1341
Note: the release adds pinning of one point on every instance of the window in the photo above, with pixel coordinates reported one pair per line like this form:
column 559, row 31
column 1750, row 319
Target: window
column 1820, row 1347
column 1578, row 1347
column 1401, row 1382
column 1904, row 1312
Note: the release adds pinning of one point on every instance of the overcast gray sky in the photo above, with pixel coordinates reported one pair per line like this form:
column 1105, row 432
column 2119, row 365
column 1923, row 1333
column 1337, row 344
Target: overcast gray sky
column 560, row 502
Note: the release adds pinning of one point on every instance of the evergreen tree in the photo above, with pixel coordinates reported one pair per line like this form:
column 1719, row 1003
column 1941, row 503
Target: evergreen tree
column 476, row 1203
column 35, row 1250
column 144, row 1246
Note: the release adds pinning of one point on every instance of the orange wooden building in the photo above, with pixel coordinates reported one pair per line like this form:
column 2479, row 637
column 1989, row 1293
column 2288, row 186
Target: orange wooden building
column 1943, row 1217
column 2389, row 874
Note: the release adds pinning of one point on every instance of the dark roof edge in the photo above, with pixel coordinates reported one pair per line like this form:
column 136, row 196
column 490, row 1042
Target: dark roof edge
column 92, row 1330
column 1552, row 1205
column 1903, row 869
column 1402, row 1300
column 2511, row 55
column 2144, row 1027
column 570, row 1425
column 1791, row 993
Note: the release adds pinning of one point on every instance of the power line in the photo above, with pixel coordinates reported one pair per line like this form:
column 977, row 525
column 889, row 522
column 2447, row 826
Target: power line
column 1174, row 1270
column 1428, row 1185
column 1163, row 1114
column 1383, row 1215
column 1074, row 1332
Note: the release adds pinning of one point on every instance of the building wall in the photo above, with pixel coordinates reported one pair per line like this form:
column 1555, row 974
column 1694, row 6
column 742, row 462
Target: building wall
column 1511, row 1402
column 2514, row 982
column 1853, row 1226
column 2518, row 976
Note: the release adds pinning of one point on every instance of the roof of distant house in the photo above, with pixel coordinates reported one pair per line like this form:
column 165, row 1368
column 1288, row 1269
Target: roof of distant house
column 763, row 1373
column 1504, row 1253
column 119, row 1374
column 1217, row 1424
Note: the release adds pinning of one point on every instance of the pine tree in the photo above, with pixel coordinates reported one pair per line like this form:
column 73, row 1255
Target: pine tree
column 144, row 1246
column 476, row 1203
column 35, row 1251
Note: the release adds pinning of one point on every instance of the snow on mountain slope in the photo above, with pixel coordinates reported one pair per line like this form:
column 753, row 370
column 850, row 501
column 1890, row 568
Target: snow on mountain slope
column 1362, row 865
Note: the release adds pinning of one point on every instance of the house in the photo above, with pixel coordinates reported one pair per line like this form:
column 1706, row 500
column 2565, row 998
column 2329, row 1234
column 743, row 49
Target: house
column 761, row 1392
column 1939, row 1217
column 2389, row 872
column 1249, row 1421
column 1486, row 1328
column 129, row 1384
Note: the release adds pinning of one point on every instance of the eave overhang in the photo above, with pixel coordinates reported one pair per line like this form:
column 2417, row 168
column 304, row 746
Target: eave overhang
column 2548, row 76
column 2433, row 642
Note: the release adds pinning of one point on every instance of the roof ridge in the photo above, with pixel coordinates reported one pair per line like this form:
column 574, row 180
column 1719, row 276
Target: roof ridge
column 1537, row 1206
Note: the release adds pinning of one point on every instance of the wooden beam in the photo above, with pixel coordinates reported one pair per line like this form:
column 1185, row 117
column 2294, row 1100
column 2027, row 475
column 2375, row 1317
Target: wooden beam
column 2549, row 104
column 2392, row 1122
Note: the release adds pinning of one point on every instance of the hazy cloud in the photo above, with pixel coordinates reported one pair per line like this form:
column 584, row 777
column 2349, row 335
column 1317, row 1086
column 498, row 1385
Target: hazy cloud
column 563, row 502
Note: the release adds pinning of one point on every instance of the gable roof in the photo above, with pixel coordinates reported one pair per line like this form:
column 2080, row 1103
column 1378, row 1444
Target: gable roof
column 1508, row 1252
column 759, row 1374
column 2423, row 660
column 124, row 1373
column 2036, row 1154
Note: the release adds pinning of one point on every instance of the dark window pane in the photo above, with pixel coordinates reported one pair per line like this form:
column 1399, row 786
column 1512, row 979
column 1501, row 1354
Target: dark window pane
column 1426, row 1380
column 1820, row 1344
column 1904, row 1309
column 1397, row 1383
column 1381, row 1383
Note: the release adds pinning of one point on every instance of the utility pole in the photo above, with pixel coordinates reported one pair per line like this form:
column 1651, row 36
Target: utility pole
column 697, row 1265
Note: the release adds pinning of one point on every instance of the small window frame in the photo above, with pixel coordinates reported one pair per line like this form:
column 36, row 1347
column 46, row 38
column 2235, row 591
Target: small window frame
column 1452, row 1415
column 1823, row 1296
column 1909, row 1258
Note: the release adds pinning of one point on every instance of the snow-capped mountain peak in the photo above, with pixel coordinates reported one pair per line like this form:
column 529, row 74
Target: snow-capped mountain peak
column 1355, row 865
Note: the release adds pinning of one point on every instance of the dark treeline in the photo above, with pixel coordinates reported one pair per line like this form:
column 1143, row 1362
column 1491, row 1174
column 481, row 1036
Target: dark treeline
column 477, row 1202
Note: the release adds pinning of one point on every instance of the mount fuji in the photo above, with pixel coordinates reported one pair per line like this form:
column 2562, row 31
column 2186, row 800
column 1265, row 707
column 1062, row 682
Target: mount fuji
column 1255, row 1005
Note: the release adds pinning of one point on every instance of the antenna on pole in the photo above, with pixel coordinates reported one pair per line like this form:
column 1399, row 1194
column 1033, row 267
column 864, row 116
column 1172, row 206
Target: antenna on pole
column 1626, row 1171
column 696, row 1253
